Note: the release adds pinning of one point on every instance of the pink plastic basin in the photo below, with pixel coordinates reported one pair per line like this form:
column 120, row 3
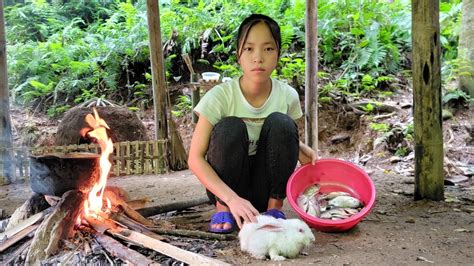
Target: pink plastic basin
column 332, row 175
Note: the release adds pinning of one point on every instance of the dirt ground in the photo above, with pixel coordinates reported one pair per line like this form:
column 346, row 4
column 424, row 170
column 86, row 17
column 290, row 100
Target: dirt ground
column 398, row 231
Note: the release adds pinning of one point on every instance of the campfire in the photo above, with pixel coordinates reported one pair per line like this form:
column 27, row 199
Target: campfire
column 75, row 206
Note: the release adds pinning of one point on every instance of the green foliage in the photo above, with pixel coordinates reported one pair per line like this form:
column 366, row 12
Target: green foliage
column 62, row 54
column 183, row 105
column 402, row 151
column 455, row 97
column 379, row 127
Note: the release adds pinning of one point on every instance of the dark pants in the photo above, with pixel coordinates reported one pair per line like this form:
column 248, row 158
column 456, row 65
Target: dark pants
column 263, row 175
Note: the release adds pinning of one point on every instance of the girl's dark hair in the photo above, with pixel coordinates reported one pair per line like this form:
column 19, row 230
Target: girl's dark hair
column 249, row 22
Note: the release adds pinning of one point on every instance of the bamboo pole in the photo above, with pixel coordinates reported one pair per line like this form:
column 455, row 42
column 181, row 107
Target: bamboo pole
column 429, row 177
column 311, row 79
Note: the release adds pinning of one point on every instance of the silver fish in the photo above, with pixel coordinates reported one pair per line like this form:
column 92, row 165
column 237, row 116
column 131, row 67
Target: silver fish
column 345, row 202
column 311, row 190
column 334, row 194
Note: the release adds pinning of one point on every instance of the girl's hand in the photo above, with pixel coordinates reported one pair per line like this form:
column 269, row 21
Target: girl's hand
column 307, row 155
column 242, row 210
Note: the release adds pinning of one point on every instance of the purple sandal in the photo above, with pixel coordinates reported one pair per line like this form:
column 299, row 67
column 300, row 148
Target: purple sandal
column 219, row 218
column 276, row 213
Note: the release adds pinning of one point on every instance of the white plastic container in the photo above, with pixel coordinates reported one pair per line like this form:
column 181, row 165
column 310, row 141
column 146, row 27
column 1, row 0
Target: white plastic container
column 210, row 76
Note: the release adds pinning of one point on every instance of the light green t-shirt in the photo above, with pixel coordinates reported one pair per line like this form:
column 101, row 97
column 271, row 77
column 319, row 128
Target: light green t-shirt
column 226, row 99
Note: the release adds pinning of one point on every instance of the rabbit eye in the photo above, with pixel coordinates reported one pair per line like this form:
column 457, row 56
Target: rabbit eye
column 300, row 230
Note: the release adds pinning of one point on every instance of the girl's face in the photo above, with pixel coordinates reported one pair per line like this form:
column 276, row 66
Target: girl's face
column 259, row 54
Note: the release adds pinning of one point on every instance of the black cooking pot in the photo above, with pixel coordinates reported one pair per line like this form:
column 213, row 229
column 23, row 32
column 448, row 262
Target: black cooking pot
column 56, row 173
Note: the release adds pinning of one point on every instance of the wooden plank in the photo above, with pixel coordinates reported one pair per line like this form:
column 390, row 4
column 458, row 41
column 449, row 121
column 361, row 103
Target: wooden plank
column 17, row 237
column 22, row 225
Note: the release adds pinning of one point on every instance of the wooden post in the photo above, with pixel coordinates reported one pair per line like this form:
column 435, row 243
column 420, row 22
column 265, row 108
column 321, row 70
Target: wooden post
column 157, row 69
column 5, row 123
column 311, row 80
column 429, row 177
column 176, row 155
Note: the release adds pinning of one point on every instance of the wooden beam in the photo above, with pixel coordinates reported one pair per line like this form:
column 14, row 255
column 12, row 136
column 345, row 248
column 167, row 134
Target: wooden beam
column 311, row 79
column 428, row 122
column 157, row 69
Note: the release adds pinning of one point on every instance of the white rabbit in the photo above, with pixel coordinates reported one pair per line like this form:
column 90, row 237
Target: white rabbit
column 277, row 238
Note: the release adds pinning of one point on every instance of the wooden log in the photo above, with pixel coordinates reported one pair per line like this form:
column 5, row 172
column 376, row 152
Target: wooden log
column 17, row 237
column 35, row 204
column 173, row 206
column 378, row 107
column 193, row 233
column 59, row 225
column 120, row 251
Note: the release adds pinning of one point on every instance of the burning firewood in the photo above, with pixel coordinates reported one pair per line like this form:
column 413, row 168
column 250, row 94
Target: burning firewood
column 118, row 201
column 59, row 225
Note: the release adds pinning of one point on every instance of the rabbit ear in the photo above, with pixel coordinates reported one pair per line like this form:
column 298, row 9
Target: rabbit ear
column 271, row 228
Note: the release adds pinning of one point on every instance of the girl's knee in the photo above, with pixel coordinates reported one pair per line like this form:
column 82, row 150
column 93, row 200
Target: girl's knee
column 281, row 122
column 228, row 132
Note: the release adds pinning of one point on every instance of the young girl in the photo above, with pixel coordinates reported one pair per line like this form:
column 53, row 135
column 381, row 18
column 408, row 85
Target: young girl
column 247, row 130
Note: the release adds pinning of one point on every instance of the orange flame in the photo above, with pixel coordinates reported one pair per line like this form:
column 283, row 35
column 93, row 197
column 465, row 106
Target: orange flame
column 98, row 125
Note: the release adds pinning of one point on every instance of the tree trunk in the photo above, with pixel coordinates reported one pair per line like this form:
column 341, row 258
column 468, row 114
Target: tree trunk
column 429, row 177
column 311, row 80
column 466, row 47
column 5, row 125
